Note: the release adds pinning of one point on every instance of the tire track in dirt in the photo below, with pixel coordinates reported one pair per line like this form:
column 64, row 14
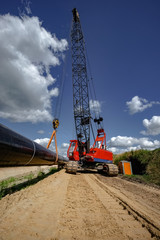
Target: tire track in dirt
column 137, row 199
column 139, row 193
column 84, row 216
column 91, row 213
column 66, row 207
column 130, row 219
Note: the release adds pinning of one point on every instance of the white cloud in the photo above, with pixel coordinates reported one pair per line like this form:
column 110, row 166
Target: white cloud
column 152, row 126
column 29, row 115
column 65, row 145
column 121, row 144
column 54, row 92
column 25, row 9
column 40, row 131
column 138, row 104
column 27, row 6
column 123, row 141
column 62, row 150
column 27, row 53
column 44, row 142
column 95, row 106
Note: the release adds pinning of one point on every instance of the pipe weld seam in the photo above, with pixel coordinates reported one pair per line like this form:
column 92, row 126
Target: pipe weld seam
column 34, row 151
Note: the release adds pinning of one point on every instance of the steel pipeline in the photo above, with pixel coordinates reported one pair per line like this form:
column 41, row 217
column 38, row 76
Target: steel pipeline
column 17, row 150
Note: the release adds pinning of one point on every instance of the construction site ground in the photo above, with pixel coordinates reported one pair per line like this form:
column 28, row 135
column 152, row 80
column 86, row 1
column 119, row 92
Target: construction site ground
column 85, row 206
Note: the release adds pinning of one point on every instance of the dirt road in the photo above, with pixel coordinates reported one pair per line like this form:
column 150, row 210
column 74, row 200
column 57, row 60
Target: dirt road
column 84, row 206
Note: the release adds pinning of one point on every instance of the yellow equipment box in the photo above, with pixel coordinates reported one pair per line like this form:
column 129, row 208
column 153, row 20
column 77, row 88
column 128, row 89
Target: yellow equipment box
column 125, row 167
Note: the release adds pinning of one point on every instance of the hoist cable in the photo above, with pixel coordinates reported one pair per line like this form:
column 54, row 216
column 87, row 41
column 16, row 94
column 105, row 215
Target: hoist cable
column 95, row 108
column 62, row 84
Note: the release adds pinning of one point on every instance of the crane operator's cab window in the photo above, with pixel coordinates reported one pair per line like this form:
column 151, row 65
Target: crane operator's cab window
column 99, row 144
column 73, row 144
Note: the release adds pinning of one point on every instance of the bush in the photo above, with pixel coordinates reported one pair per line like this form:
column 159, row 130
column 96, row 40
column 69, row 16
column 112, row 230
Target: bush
column 140, row 160
column 121, row 157
column 144, row 162
column 153, row 168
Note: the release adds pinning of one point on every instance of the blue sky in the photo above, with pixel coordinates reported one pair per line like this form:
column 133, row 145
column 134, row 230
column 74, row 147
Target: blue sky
column 122, row 40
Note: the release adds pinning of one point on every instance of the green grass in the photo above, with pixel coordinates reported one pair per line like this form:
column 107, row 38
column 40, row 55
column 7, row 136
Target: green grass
column 145, row 178
column 29, row 176
column 7, row 182
column 12, row 184
column 53, row 170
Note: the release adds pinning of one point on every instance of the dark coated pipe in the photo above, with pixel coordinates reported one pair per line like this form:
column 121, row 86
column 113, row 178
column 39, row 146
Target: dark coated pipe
column 16, row 150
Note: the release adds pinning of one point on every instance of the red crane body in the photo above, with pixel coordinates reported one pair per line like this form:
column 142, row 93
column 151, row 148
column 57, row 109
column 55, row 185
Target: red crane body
column 97, row 153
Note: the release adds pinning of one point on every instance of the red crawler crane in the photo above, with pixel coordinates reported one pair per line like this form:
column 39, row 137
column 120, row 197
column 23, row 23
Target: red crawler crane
column 80, row 154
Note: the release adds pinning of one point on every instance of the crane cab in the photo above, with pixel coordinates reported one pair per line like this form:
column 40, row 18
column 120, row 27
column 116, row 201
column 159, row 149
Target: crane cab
column 72, row 152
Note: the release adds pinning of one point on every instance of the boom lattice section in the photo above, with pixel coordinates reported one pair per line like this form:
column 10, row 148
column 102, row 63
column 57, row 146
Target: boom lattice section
column 80, row 85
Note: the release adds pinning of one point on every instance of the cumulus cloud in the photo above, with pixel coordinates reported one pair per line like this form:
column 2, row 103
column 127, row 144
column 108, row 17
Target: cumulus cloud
column 27, row 53
column 121, row 144
column 95, row 106
column 123, row 141
column 54, row 92
column 138, row 104
column 152, row 126
column 65, row 145
column 62, row 150
column 44, row 142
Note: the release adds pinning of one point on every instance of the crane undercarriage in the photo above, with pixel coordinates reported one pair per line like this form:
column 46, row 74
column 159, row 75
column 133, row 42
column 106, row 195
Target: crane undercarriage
column 108, row 169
